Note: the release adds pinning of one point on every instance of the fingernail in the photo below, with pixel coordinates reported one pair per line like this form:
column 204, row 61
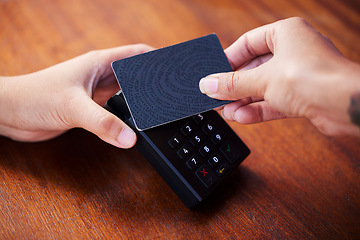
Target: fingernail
column 233, row 116
column 209, row 85
column 223, row 115
column 127, row 137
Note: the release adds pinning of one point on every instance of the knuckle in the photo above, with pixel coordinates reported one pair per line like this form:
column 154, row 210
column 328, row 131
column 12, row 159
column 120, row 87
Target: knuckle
column 104, row 123
column 231, row 82
column 325, row 126
column 324, row 130
column 142, row 46
column 295, row 21
column 291, row 23
column 139, row 48
column 290, row 74
column 298, row 20
column 93, row 54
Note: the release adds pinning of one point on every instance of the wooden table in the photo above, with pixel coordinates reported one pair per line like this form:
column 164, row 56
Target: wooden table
column 296, row 184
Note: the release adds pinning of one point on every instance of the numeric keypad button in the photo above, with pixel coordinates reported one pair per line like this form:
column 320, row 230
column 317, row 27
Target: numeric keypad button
column 176, row 140
column 215, row 160
column 208, row 128
column 206, row 149
column 199, row 119
column 217, row 138
column 204, row 173
column 185, row 151
column 197, row 139
column 193, row 161
column 188, row 129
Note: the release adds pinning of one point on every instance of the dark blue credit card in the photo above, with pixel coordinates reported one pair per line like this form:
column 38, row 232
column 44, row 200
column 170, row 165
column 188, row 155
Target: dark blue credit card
column 162, row 86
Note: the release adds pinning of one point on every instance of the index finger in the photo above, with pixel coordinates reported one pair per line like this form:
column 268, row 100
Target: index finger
column 250, row 45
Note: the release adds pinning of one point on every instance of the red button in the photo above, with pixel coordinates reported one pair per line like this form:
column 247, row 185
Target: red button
column 204, row 173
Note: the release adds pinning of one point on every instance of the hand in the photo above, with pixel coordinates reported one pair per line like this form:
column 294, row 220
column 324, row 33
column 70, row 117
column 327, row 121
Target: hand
column 287, row 69
column 45, row 104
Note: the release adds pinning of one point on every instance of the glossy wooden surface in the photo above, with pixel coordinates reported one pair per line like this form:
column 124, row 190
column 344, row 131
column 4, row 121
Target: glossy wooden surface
column 297, row 183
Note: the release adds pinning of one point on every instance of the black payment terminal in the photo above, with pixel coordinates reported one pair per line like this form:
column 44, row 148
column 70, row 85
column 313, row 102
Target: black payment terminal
column 193, row 155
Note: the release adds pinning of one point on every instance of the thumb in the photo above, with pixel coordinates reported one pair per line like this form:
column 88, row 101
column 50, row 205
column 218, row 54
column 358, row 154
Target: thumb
column 89, row 115
column 234, row 85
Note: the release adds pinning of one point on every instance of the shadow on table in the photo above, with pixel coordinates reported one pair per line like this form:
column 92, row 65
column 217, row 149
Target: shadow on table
column 121, row 182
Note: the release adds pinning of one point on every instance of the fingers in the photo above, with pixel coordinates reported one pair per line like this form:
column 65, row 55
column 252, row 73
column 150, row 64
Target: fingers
column 252, row 49
column 97, row 64
column 244, row 113
column 257, row 62
column 87, row 114
column 95, row 71
column 105, row 57
column 229, row 82
column 235, row 85
column 252, row 44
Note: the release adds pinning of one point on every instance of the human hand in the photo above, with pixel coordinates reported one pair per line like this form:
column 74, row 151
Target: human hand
column 288, row 69
column 44, row 104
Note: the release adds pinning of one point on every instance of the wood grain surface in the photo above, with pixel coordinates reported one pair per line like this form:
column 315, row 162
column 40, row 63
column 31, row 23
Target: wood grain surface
column 296, row 184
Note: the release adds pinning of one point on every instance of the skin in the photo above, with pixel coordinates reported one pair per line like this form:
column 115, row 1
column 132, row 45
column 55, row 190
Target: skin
column 288, row 69
column 45, row 104
column 284, row 69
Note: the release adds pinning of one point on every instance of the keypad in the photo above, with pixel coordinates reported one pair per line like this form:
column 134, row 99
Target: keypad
column 193, row 154
column 203, row 148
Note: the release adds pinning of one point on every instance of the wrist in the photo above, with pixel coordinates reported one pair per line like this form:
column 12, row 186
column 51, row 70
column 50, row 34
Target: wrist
column 348, row 86
column 353, row 109
column 6, row 100
column 333, row 87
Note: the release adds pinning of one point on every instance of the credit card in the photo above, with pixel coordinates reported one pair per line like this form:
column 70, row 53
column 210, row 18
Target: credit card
column 162, row 86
